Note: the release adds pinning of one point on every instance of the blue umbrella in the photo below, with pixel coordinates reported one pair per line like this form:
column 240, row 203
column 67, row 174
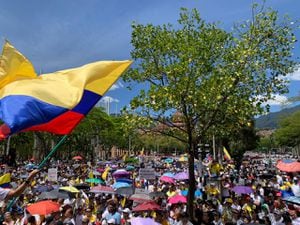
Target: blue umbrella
column 286, row 194
column 198, row 193
column 129, row 167
column 120, row 185
column 124, row 180
column 292, row 199
column 43, row 188
column 168, row 160
column 169, row 174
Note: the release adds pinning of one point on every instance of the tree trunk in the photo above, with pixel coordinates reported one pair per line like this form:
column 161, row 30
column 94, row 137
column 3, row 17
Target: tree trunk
column 192, row 183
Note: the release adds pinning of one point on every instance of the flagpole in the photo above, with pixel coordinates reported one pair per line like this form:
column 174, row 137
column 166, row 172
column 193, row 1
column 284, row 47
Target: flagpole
column 52, row 151
column 13, row 201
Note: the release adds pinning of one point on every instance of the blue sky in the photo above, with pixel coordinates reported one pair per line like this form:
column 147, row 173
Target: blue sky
column 61, row 34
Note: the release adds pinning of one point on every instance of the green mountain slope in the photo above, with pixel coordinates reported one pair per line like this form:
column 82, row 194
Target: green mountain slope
column 271, row 121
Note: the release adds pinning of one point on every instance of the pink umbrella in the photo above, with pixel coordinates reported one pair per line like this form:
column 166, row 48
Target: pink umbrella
column 177, row 199
column 167, row 179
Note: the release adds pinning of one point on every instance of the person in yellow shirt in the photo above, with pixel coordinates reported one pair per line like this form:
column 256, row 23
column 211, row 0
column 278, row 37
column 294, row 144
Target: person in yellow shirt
column 172, row 192
column 212, row 190
column 90, row 215
column 215, row 168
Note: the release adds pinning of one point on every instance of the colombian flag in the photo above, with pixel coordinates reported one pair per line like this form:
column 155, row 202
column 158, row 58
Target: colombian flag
column 54, row 102
column 5, row 181
column 226, row 154
column 105, row 173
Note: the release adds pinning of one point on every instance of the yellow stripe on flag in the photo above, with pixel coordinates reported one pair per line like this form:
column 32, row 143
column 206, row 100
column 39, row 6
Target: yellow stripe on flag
column 226, row 154
column 104, row 174
column 5, row 179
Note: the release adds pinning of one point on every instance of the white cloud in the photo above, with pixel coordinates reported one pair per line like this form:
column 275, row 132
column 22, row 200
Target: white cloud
column 295, row 75
column 116, row 86
column 107, row 99
column 278, row 100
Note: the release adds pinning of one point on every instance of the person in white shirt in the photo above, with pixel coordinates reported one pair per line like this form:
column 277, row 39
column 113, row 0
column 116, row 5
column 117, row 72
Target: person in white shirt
column 295, row 187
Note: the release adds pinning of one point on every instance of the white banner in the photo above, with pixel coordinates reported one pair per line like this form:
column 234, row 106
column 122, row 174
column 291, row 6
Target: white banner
column 52, row 174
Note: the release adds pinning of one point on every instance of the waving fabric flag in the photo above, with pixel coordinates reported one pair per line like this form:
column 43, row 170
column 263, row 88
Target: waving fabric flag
column 54, row 102
column 5, row 181
column 226, row 154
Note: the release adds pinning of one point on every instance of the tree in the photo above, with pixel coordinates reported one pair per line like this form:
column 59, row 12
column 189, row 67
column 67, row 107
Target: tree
column 215, row 78
column 289, row 132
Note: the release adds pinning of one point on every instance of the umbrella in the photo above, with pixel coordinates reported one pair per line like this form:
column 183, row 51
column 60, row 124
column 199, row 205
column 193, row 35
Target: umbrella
column 43, row 188
column 95, row 181
column 177, row 199
column 102, row 189
column 242, row 190
column 142, row 221
column 43, row 207
column 147, row 206
column 78, row 157
column 140, row 197
column 54, row 194
column 82, row 186
column 76, row 166
column 97, row 173
column 167, row 179
column 181, row 176
column 125, row 191
column 168, row 174
column 30, row 166
column 292, row 199
column 69, row 189
column 124, row 180
column 100, row 170
column 120, row 185
column 157, row 194
column 288, row 167
column 198, row 193
column 121, row 173
column 129, row 167
column 169, row 160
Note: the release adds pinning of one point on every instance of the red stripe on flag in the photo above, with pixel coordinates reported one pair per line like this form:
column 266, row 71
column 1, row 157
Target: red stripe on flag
column 63, row 124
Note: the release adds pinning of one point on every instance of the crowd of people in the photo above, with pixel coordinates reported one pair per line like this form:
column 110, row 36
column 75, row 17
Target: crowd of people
column 254, row 193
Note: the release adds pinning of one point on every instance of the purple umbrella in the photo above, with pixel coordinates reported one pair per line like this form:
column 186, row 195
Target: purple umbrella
column 121, row 173
column 181, row 176
column 242, row 190
column 143, row 221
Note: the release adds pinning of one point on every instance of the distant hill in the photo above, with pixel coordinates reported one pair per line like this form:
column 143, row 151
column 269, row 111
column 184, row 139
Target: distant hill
column 271, row 120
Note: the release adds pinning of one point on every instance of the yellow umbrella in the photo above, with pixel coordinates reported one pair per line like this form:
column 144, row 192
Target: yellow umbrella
column 69, row 189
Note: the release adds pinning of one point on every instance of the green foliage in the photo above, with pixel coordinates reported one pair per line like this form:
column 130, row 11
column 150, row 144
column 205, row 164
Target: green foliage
column 289, row 132
column 131, row 161
column 217, row 79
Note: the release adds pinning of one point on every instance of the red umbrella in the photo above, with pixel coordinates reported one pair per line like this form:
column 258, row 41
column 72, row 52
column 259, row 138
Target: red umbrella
column 177, row 199
column 78, row 157
column 146, row 206
column 140, row 197
column 102, row 189
column 43, row 207
column 288, row 166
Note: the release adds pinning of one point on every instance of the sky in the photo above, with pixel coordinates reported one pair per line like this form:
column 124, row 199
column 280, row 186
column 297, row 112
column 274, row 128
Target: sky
column 61, row 34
